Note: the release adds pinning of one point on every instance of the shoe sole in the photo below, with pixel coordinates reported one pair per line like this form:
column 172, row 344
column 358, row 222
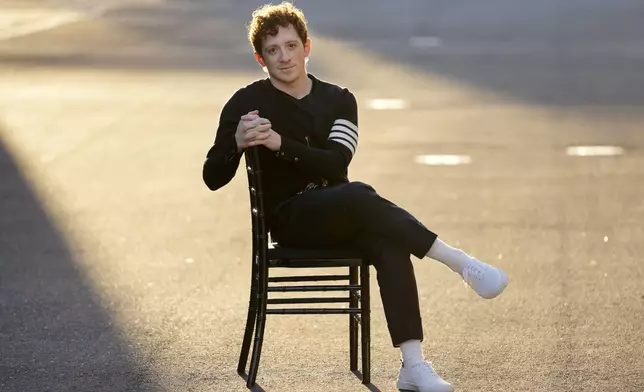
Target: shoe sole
column 445, row 388
column 416, row 390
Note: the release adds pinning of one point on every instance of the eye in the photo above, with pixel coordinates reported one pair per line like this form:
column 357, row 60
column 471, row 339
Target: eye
column 292, row 45
column 272, row 51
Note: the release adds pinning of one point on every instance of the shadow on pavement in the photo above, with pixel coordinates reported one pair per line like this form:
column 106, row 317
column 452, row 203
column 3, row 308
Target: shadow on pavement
column 549, row 53
column 256, row 388
column 55, row 333
column 546, row 53
column 369, row 386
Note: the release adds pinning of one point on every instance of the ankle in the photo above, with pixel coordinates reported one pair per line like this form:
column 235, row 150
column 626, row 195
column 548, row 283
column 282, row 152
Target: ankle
column 410, row 364
column 454, row 258
column 411, row 352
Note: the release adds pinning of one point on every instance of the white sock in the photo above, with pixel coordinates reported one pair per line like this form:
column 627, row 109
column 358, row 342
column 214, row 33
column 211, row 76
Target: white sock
column 411, row 352
column 454, row 258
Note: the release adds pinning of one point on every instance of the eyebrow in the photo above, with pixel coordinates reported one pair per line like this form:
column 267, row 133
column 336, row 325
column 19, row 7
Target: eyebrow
column 288, row 42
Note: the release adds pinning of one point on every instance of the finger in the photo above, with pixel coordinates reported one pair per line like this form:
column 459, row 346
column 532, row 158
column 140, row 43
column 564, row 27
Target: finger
column 263, row 128
column 249, row 124
column 260, row 141
column 262, row 136
column 259, row 132
column 263, row 125
column 260, row 121
column 249, row 117
column 259, row 128
column 254, row 133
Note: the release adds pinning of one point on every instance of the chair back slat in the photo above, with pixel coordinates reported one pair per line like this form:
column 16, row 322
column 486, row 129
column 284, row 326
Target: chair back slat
column 258, row 215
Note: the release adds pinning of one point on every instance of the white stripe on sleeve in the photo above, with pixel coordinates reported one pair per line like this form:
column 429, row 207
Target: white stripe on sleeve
column 347, row 144
column 347, row 124
column 345, row 132
column 335, row 135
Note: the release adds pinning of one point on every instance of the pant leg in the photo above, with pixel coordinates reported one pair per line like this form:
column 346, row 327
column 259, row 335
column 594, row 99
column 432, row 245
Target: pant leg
column 345, row 211
column 355, row 215
column 398, row 289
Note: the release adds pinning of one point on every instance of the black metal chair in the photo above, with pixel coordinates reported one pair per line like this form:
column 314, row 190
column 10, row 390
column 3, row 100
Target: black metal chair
column 266, row 258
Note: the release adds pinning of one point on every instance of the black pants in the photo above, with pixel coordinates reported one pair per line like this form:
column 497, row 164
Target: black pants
column 355, row 215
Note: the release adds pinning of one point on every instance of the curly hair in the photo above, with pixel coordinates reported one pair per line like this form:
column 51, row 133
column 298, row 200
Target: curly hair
column 268, row 18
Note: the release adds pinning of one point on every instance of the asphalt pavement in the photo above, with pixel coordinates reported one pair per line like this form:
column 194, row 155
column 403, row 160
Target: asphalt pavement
column 120, row 271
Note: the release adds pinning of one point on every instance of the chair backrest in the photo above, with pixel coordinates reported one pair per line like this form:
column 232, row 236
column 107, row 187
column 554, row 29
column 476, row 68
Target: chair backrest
column 258, row 216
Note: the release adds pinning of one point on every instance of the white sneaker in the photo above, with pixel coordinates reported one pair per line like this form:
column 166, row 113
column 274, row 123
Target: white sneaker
column 486, row 280
column 421, row 377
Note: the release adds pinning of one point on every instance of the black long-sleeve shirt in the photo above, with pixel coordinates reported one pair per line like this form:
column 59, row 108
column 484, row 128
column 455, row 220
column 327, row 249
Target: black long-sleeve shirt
column 319, row 139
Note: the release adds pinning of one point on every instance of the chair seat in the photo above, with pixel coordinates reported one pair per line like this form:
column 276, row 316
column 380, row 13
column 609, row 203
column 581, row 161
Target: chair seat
column 305, row 257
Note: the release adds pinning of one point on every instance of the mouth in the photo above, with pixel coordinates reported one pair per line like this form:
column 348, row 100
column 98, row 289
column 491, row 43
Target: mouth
column 287, row 68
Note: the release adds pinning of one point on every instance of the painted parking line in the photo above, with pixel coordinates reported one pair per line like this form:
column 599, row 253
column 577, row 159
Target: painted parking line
column 594, row 151
column 386, row 104
column 443, row 160
column 425, row 42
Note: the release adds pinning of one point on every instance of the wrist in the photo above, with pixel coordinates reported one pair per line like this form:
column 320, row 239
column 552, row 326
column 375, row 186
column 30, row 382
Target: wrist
column 238, row 144
column 279, row 142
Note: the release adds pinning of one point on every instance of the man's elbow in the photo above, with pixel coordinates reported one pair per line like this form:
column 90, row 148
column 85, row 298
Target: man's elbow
column 335, row 173
column 210, row 178
column 214, row 182
column 339, row 167
column 211, row 185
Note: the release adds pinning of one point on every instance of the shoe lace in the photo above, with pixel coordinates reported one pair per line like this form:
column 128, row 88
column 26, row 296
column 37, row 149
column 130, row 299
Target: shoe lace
column 472, row 272
column 426, row 367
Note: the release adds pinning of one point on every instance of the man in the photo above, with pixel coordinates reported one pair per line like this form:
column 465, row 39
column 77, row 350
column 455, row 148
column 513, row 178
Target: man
column 308, row 133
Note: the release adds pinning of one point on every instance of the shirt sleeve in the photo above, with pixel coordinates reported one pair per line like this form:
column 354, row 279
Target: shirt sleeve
column 222, row 159
column 332, row 161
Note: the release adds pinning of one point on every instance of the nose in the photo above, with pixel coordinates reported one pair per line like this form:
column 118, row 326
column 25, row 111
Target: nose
column 285, row 56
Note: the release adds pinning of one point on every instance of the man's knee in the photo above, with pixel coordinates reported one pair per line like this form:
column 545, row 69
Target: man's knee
column 356, row 197
column 385, row 255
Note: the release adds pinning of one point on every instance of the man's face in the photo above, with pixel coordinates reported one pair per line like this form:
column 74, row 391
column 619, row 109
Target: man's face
column 284, row 55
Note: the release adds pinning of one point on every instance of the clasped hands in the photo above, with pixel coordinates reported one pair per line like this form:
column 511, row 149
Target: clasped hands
column 254, row 130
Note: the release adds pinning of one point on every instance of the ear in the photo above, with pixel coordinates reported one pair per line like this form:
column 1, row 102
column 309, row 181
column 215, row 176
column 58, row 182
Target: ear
column 259, row 59
column 307, row 47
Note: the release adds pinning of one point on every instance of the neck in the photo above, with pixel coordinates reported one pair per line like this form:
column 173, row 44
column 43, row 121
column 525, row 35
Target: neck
column 299, row 88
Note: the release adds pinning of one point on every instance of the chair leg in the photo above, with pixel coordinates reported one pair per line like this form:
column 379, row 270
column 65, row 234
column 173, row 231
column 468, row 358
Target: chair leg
column 259, row 340
column 262, row 296
column 365, row 323
column 250, row 323
column 353, row 322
